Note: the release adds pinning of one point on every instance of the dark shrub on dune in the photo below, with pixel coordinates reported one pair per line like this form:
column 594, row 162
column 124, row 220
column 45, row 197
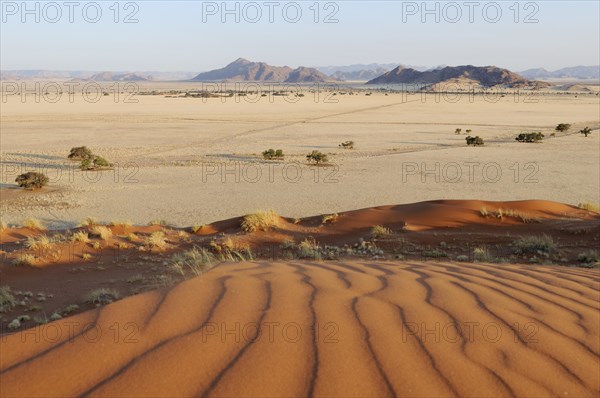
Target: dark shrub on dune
column 32, row 180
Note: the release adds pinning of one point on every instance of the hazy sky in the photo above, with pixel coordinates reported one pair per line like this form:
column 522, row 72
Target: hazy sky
column 191, row 36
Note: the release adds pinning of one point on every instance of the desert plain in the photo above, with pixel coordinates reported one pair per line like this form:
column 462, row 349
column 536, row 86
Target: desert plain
column 411, row 265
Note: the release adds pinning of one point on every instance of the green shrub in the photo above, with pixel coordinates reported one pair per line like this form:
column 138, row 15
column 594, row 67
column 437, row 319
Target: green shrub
column 316, row 157
column 32, row 180
column 588, row 257
column 562, row 127
column 271, row 154
column 80, row 153
column 474, row 141
column 94, row 163
column 530, row 137
column 535, row 244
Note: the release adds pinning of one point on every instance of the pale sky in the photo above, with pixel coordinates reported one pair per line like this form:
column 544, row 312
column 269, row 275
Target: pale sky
column 191, row 36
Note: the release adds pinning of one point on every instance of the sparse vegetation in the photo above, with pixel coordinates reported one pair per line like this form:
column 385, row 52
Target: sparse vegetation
column 309, row 248
column 457, row 131
column 589, row 207
column 530, row 137
column 588, row 257
column 585, row 131
column 33, row 223
column 260, row 221
column 271, row 154
column 543, row 244
column 347, row 145
column 80, row 153
column 39, row 243
column 7, row 300
column 32, row 180
column 562, row 127
column 316, row 157
column 3, row 226
column 102, row 232
column 474, row 141
column 24, row 259
column 196, row 260
column 379, row 231
column 102, row 296
column 483, row 254
column 95, row 163
column 329, row 218
column 157, row 239
column 80, row 236
column 197, row 228
column 88, row 222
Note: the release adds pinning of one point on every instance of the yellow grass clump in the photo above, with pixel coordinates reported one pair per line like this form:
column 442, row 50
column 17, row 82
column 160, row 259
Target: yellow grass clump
column 260, row 221
column 34, row 223
column 102, row 231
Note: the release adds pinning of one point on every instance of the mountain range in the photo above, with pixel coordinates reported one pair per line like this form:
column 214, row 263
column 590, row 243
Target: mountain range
column 483, row 76
column 573, row 72
column 243, row 70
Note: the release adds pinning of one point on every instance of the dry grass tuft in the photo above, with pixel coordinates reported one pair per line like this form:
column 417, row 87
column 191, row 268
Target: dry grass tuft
column 260, row 221
column 330, row 218
column 3, row 226
column 7, row 300
column 39, row 243
column 102, row 296
column 102, row 231
column 33, row 223
column 80, row 236
column 88, row 222
column 535, row 244
column 590, row 207
column 157, row 239
column 24, row 259
column 379, row 231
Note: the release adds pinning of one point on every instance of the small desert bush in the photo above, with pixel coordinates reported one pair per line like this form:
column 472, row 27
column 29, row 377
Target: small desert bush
column 590, row 207
column 316, row 157
column 3, row 226
column 586, row 131
column 132, row 237
column 7, row 300
column 562, row 127
column 80, row 236
column 482, row 254
column 309, row 248
column 271, row 154
column 80, row 153
column 484, row 212
column 530, row 137
column 101, row 296
column 379, row 231
column 195, row 228
column 535, row 244
column 24, row 259
column 196, row 260
column 157, row 222
column 94, row 163
column 329, row 218
column 86, row 257
column 103, row 232
column 33, row 223
column 588, row 257
column 157, row 239
column 260, row 221
column 347, row 145
column 32, row 180
column 244, row 254
column 474, row 141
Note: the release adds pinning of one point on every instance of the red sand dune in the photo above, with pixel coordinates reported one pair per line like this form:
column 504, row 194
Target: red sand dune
column 362, row 329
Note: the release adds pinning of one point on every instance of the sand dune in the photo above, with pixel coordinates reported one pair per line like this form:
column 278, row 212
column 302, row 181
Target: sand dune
column 327, row 329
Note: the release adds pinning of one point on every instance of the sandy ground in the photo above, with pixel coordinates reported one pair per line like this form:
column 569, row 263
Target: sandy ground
column 192, row 160
column 349, row 328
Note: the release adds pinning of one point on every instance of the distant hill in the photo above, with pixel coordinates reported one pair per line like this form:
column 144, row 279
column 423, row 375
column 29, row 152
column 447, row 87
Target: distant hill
column 573, row 72
column 117, row 77
column 487, row 76
column 85, row 75
column 360, row 75
column 244, row 70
